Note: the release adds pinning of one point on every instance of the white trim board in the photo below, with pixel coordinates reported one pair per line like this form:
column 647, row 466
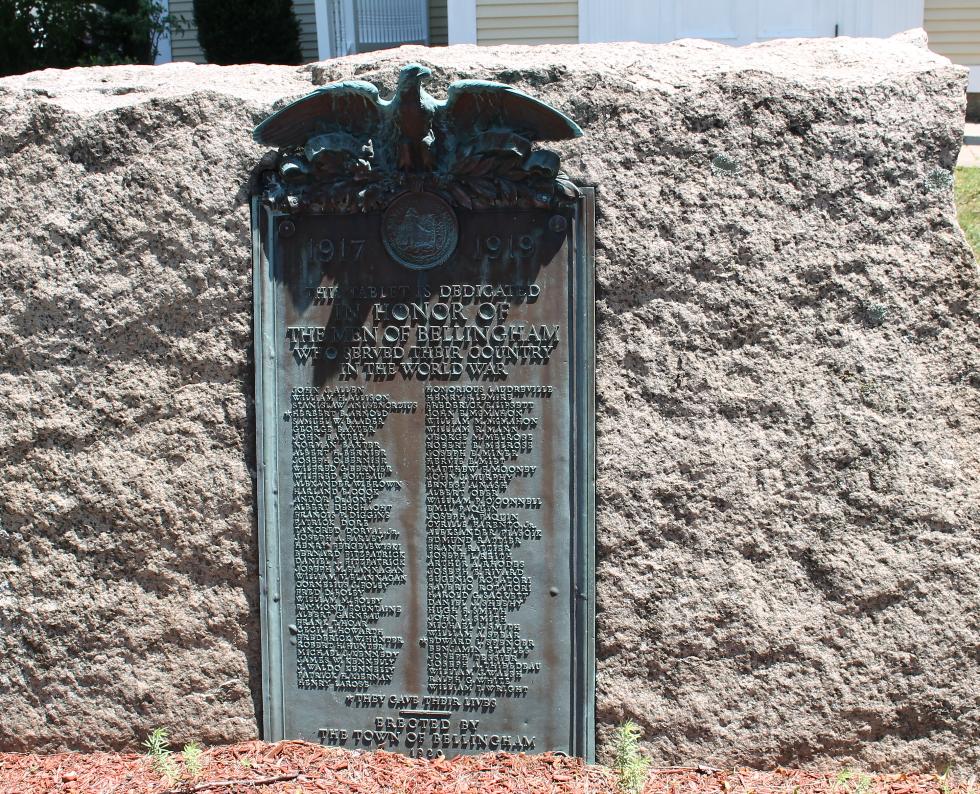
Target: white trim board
column 743, row 21
column 462, row 21
column 164, row 48
column 322, row 30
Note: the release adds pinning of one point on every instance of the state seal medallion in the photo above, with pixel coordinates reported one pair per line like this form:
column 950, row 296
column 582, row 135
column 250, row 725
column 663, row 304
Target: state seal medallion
column 419, row 230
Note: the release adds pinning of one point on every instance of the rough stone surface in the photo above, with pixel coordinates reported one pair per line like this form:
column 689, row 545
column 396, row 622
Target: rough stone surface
column 788, row 383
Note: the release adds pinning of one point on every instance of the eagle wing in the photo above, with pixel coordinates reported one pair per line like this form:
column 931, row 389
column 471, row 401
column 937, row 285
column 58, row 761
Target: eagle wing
column 478, row 105
column 352, row 106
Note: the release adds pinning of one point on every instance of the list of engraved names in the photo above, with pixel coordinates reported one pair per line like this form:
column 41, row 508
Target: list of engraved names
column 462, row 371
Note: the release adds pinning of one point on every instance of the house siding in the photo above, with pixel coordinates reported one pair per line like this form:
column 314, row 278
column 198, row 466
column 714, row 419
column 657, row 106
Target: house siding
column 438, row 23
column 305, row 11
column 186, row 47
column 954, row 29
column 520, row 22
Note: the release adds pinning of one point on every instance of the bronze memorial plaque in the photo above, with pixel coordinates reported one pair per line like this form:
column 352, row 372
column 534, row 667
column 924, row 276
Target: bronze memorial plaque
column 424, row 389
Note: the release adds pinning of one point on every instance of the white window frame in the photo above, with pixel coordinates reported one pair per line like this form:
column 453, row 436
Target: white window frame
column 351, row 28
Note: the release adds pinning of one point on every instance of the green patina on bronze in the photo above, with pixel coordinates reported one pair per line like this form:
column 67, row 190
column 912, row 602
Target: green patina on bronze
column 344, row 149
column 424, row 347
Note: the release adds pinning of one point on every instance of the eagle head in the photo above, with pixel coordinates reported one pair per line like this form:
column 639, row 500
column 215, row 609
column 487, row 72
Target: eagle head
column 412, row 75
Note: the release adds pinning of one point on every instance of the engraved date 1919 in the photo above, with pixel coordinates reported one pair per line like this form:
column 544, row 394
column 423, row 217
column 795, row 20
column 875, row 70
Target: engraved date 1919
column 511, row 247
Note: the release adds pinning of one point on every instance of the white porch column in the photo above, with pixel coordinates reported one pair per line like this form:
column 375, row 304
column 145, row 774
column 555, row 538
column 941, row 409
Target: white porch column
column 322, row 30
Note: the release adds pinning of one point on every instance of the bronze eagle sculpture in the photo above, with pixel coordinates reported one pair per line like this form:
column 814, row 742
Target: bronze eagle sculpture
column 344, row 148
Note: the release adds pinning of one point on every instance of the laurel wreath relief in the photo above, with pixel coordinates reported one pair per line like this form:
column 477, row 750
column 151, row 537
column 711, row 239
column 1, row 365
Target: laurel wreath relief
column 491, row 170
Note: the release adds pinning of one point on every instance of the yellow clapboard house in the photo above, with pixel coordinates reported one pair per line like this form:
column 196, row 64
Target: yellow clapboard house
column 329, row 28
column 954, row 31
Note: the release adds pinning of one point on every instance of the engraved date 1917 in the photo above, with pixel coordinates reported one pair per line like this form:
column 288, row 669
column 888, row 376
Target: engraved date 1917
column 325, row 250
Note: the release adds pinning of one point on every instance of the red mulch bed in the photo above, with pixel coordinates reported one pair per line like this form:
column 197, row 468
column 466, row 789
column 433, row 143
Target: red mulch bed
column 299, row 767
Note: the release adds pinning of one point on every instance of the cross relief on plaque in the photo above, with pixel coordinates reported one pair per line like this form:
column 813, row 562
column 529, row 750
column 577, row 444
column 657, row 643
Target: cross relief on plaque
column 425, row 422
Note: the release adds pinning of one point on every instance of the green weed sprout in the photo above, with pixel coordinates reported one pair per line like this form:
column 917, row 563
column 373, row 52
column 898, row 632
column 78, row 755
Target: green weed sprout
column 157, row 746
column 631, row 765
column 192, row 759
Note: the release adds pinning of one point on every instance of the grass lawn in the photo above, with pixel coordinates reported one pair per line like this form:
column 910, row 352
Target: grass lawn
column 967, row 188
